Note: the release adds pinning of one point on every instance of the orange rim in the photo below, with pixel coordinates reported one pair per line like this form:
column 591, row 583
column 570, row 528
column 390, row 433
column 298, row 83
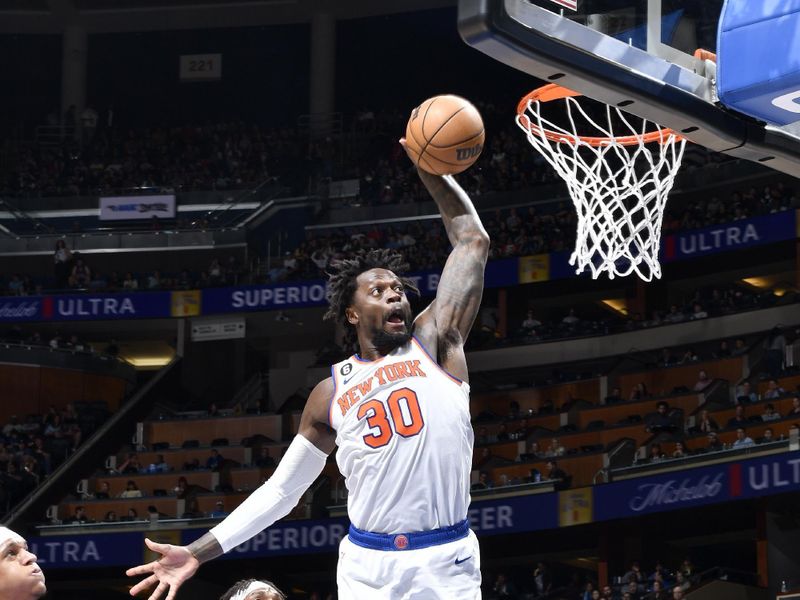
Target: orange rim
column 553, row 91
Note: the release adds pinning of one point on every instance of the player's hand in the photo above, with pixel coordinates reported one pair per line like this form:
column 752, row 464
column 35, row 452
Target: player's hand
column 402, row 141
column 175, row 566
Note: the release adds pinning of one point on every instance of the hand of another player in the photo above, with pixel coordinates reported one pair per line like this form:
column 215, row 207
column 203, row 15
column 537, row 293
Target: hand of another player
column 402, row 141
column 175, row 566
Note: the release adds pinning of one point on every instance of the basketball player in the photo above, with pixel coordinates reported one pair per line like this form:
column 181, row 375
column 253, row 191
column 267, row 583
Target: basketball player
column 253, row 589
column 20, row 576
column 399, row 413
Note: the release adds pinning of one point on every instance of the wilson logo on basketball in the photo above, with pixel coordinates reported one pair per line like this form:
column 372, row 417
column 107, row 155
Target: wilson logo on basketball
column 467, row 153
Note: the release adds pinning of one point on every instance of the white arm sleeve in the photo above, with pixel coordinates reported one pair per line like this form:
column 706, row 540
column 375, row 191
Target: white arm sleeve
column 298, row 469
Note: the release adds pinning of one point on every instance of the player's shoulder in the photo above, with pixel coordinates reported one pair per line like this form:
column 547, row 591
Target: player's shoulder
column 323, row 390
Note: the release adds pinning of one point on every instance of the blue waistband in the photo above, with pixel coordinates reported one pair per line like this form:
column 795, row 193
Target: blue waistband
column 408, row 541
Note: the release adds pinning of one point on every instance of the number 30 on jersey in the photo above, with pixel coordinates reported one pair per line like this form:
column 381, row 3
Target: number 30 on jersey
column 404, row 417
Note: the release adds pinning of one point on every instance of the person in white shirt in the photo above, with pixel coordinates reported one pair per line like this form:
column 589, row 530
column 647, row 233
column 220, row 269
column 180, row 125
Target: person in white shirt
column 742, row 439
column 399, row 413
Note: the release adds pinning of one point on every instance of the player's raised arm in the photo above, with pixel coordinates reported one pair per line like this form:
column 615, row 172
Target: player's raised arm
column 299, row 468
column 460, row 289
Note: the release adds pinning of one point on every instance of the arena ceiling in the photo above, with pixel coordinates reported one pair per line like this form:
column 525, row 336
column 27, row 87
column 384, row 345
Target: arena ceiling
column 106, row 16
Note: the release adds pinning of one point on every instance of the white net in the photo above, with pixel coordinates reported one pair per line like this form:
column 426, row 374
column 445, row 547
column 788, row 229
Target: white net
column 618, row 180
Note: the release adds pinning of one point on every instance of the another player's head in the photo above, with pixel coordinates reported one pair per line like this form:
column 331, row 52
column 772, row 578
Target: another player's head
column 367, row 295
column 20, row 576
column 253, row 589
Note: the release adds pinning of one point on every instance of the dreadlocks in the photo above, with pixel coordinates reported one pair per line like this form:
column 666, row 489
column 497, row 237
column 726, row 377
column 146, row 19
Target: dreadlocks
column 342, row 279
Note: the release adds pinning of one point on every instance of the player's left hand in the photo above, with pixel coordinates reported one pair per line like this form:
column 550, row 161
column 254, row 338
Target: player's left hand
column 175, row 566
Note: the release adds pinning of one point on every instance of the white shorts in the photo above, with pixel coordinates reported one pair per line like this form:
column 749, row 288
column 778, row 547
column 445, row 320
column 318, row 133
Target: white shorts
column 450, row 571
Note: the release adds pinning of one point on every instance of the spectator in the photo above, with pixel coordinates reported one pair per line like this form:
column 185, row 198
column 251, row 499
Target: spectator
column 530, row 324
column 131, row 464
column 81, row 275
column 502, row 433
column 767, row 437
column 253, row 588
column 133, row 515
column 703, row 382
column 503, row 589
column 723, row 351
column 111, row 517
column 706, row 423
column 571, row 319
column 62, row 264
column 714, row 443
column 674, row 315
column 214, row 462
column 264, row 460
column 698, row 312
column 744, row 394
column 103, row 492
column 739, row 347
column 79, row 516
column 555, row 473
column 775, row 351
column 677, row 593
column 130, row 282
column 483, row 483
column 742, row 439
column 660, row 421
column 639, row 392
column 542, row 579
column 555, row 449
column 666, row 359
column 680, row 451
column 181, row 489
column 769, row 413
column 219, row 511
column 192, row 510
column 773, row 390
column 635, row 575
column 614, row 397
column 131, row 490
column 655, row 453
column 737, row 420
column 795, row 410
column 159, row 466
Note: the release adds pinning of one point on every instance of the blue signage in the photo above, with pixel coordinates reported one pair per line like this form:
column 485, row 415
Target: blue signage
column 86, row 551
column 102, row 307
column 26, row 308
column 730, row 236
column 774, row 474
column 298, row 294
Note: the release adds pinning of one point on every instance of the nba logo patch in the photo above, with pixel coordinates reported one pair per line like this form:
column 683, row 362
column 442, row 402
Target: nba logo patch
column 401, row 542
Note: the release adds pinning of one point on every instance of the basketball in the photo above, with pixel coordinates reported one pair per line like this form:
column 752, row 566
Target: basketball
column 445, row 135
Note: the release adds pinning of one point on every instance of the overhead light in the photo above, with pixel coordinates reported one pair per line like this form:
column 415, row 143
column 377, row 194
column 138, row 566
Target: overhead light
column 759, row 282
column 618, row 305
column 149, row 362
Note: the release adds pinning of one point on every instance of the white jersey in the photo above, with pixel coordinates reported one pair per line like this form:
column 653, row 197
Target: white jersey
column 405, row 441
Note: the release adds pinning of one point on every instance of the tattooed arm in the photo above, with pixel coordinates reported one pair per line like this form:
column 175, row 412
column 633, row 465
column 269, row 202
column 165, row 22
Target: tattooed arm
column 443, row 326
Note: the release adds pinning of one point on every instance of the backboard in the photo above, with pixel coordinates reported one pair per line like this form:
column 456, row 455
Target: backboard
column 634, row 54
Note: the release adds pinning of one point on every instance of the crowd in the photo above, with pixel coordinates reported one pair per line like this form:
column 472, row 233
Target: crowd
column 71, row 271
column 540, row 581
column 226, row 155
column 514, row 231
column 32, row 446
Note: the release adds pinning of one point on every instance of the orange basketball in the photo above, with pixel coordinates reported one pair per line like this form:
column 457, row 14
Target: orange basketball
column 445, row 135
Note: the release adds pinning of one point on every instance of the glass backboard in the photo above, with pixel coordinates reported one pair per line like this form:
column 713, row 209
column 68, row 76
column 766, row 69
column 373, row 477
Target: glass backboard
column 639, row 54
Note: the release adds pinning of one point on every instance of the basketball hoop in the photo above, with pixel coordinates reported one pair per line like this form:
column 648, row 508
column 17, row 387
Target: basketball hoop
column 618, row 182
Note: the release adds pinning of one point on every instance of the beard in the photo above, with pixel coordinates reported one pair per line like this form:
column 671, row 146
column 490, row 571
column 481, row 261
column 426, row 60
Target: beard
column 390, row 341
